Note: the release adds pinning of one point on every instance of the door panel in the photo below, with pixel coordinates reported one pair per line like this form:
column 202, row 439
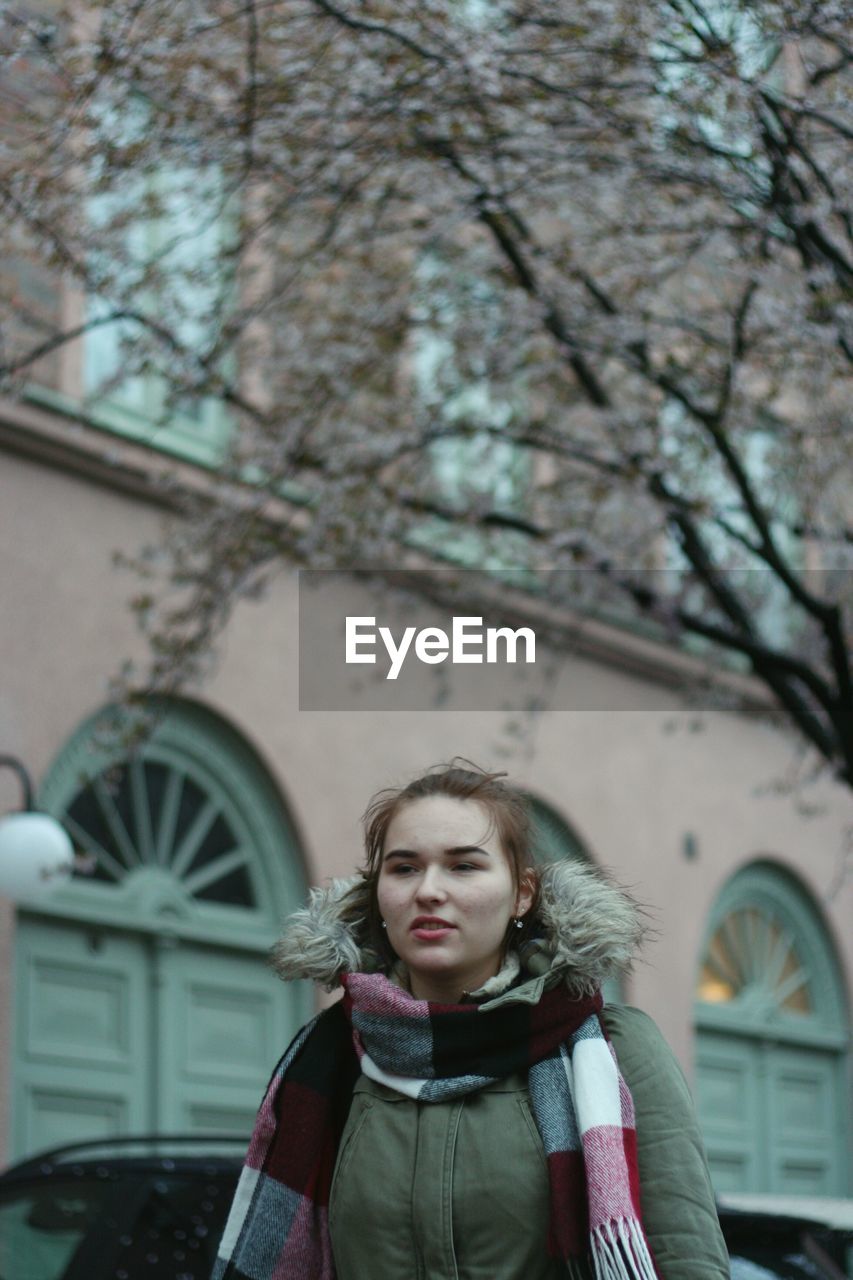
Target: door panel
column 802, row 1120
column 80, row 1036
column 727, row 1099
column 225, row 1022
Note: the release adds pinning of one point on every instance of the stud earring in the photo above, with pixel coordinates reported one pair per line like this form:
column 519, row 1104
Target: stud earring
column 384, row 925
column 519, row 924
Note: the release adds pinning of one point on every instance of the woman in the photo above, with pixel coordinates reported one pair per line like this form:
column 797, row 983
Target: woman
column 468, row 1109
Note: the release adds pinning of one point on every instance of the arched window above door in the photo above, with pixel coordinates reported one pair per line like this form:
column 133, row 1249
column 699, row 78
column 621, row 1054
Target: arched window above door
column 754, row 958
column 187, row 827
column 145, row 815
column 767, row 958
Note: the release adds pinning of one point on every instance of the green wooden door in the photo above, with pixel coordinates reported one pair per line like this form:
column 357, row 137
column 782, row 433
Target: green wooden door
column 771, row 1040
column 119, row 1034
column 81, row 1036
column 770, row 1115
column 144, row 999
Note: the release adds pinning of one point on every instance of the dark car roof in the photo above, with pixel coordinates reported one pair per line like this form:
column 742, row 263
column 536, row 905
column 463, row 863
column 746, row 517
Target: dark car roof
column 829, row 1211
column 741, row 1223
column 164, row 1153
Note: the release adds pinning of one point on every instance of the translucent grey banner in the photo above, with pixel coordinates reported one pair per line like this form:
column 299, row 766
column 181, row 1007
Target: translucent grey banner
column 585, row 639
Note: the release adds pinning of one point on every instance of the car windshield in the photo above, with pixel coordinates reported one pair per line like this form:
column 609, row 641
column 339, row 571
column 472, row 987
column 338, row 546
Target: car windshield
column 777, row 1266
column 121, row 1224
column 43, row 1224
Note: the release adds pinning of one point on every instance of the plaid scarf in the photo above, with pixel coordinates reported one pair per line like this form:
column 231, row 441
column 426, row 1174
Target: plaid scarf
column 278, row 1225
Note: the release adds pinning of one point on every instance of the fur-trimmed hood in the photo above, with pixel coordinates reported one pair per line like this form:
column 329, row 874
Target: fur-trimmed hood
column 588, row 931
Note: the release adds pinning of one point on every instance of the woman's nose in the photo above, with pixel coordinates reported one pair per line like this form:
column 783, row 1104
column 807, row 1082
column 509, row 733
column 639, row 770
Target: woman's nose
column 431, row 885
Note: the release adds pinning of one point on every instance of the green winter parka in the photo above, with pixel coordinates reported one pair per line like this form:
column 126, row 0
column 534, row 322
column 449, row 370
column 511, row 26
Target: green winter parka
column 459, row 1190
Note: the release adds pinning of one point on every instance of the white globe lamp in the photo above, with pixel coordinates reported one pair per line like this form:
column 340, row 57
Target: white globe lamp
column 36, row 853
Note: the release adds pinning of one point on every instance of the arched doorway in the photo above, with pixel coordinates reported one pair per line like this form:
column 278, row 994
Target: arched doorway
column 144, row 1001
column 554, row 839
column 771, row 1041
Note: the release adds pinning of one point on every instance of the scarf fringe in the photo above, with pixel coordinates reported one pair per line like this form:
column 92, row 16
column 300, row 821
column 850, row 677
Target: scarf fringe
column 578, row 1268
column 620, row 1252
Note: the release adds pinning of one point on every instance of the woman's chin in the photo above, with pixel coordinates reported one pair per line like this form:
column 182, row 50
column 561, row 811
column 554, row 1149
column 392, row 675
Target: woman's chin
column 431, row 960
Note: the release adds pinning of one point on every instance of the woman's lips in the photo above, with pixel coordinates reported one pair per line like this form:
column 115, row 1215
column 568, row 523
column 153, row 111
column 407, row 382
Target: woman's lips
column 431, row 929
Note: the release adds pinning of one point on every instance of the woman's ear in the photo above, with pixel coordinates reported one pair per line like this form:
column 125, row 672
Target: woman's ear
column 526, row 891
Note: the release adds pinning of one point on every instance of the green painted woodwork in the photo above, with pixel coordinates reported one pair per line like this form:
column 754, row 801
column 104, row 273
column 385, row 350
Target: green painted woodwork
column 553, row 839
column 119, row 1033
column 224, row 1022
column 152, row 817
column 767, row 952
column 771, row 1040
column 189, row 834
column 770, row 1115
column 728, row 1104
column 178, row 225
column 82, row 1022
column 144, row 1000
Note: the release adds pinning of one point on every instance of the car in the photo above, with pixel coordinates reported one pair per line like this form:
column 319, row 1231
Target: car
column 122, row 1209
column 791, row 1237
column 153, row 1208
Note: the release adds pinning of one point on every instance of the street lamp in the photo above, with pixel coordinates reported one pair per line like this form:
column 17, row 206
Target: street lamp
column 35, row 850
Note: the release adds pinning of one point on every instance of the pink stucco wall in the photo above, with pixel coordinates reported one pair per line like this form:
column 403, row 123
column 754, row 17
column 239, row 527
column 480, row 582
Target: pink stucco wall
column 631, row 782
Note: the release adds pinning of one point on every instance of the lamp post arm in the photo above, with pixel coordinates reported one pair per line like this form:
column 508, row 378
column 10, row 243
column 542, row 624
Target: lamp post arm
column 12, row 762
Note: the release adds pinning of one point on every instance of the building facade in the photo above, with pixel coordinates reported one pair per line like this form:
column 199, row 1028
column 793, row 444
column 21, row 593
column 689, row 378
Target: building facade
column 137, row 998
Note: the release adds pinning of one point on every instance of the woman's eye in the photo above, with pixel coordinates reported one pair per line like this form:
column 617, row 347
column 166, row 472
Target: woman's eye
column 401, row 869
column 465, row 866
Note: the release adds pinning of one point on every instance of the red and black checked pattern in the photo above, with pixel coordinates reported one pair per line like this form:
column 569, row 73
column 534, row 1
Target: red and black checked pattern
column 311, row 1109
column 302, row 1118
column 507, row 1039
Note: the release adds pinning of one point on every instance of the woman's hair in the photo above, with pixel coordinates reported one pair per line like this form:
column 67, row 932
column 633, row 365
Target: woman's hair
column 461, row 780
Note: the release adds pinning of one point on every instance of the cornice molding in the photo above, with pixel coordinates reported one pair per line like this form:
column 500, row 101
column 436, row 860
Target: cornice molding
column 71, row 444
column 622, row 648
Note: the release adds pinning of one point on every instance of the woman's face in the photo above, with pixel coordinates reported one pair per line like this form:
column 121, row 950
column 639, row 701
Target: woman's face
column 446, row 894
